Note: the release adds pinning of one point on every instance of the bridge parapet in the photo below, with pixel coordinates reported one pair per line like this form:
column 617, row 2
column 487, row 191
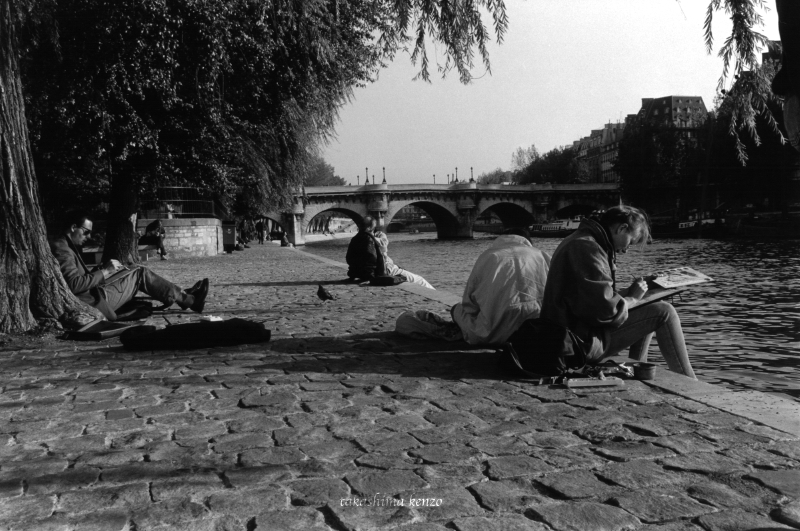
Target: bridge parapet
column 454, row 207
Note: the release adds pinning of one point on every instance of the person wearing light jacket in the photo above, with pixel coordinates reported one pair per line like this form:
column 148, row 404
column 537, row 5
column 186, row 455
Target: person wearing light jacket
column 581, row 293
column 505, row 288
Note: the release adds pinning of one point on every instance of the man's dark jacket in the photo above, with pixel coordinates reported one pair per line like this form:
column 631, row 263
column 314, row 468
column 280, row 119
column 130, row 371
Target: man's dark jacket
column 84, row 283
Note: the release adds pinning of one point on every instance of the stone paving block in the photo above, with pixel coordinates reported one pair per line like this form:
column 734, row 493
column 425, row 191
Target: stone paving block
column 389, row 482
column 318, row 492
column 237, row 442
column 508, row 495
column 306, row 435
column 404, row 423
column 715, row 418
column 445, row 453
column 503, row 523
column 25, row 508
column 185, row 484
column 332, row 450
column 655, row 507
column 249, row 476
column 101, row 498
column 585, row 515
column 444, row 434
column 386, row 441
column 442, row 504
column 787, row 449
column 626, row 451
column 355, row 518
column 786, row 482
column 173, row 513
column 136, row 472
column 638, row 474
column 599, row 434
column 35, row 467
column 516, row 466
column 739, row 521
column 316, row 468
column 10, row 488
column 448, row 418
column 499, row 445
column 759, row 457
column 271, row 456
column 86, row 443
column 789, row 514
column 707, row 463
column 722, row 496
column 425, row 526
column 552, row 439
column 245, row 503
column 69, row 479
column 686, row 443
column 728, row 437
column 766, row 431
column 386, row 461
column 578, row 484
column 57, row 522
column 451, row 474
column 47, row 432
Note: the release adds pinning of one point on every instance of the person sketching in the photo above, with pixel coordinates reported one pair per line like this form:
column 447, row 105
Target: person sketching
column 581, row 293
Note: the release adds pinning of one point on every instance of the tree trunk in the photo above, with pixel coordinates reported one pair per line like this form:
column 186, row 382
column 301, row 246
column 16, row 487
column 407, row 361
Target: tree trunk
column 121, row 238
column 31, row 284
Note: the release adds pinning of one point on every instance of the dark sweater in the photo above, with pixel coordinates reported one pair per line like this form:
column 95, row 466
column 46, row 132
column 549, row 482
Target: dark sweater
column 580, row 292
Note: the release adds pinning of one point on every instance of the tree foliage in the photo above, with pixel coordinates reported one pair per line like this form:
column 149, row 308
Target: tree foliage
column 753, row 96
column 557, row 166
column 496, row 176
column 320, row 173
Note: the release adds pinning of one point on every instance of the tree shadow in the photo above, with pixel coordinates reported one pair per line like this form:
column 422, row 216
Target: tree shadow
column 287, row 284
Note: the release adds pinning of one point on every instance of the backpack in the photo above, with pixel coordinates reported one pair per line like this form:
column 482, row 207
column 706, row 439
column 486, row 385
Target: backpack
column 541, row 347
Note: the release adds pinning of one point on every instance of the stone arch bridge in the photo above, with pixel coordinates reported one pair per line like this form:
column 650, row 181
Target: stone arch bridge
column 452, row 207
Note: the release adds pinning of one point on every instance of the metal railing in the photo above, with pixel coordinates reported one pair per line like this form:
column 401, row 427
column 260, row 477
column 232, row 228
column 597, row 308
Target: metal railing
column 182, row 202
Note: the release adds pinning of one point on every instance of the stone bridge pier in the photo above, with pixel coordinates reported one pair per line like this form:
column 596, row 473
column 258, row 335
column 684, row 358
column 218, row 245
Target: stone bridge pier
column 453, row 208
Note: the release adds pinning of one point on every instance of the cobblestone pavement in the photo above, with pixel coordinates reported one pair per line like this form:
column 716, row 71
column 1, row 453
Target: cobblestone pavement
column 338, row 424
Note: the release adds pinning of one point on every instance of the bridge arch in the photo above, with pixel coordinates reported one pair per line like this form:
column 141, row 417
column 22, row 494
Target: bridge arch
column 511, row 214
column 447, row 224
column 308, row 219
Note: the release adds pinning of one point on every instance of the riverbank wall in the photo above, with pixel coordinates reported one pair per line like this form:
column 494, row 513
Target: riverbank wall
column 337, row 423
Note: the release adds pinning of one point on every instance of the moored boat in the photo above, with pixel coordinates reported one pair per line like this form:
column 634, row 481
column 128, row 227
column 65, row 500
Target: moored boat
column 556, row 229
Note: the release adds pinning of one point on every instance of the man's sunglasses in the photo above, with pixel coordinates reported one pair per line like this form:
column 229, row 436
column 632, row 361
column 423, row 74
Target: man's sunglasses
column 85, row 230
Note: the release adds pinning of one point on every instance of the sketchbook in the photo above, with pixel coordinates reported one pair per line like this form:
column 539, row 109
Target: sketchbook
column 675, row 278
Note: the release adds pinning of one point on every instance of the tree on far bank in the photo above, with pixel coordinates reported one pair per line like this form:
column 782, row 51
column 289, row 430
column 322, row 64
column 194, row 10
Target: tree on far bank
column 496, row 176
column 320, row 173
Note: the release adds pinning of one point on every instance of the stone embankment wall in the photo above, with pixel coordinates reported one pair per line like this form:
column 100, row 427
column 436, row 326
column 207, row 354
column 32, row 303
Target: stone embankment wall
column 189, row 236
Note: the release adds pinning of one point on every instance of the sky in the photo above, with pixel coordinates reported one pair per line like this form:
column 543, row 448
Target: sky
column 565, row 67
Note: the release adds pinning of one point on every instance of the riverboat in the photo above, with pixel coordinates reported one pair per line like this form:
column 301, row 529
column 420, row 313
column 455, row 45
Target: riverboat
column 710, row 225
column 556, row 229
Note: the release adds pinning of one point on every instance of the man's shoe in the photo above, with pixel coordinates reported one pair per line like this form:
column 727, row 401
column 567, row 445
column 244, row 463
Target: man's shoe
column 200, row 297
column 194, row 288
column 164, row 257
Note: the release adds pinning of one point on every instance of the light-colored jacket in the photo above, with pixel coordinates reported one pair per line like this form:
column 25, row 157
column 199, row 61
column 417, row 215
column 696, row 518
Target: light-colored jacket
column 505, row 288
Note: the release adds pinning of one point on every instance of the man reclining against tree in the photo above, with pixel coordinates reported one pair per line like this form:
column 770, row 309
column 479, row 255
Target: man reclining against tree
column 97, row 288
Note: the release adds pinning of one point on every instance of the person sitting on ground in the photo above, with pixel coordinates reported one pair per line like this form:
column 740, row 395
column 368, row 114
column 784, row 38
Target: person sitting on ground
column 362, row 252
column 155, row 234
column 285, row 241
column 504, row 289
column 393, row 269
column 97, row 288
column 581, row 293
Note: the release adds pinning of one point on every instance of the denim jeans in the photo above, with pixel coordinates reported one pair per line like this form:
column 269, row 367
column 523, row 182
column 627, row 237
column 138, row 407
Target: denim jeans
column 637, row 331
column 142, row 279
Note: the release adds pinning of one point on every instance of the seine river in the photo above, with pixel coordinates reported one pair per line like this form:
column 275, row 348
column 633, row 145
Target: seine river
column 743, row 330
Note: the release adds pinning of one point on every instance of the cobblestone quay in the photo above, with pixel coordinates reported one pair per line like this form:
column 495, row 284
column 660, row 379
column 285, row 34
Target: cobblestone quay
column 339, row 424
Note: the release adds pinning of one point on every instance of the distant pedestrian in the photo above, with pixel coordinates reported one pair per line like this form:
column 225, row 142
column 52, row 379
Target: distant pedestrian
column 155, row 234
column 260, row 231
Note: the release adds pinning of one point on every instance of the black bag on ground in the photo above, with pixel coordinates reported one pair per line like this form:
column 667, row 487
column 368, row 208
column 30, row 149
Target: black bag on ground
column 541, row 347
column 202, row 334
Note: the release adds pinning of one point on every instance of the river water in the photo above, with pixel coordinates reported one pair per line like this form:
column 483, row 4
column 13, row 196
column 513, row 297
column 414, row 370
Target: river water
column 742, row 331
